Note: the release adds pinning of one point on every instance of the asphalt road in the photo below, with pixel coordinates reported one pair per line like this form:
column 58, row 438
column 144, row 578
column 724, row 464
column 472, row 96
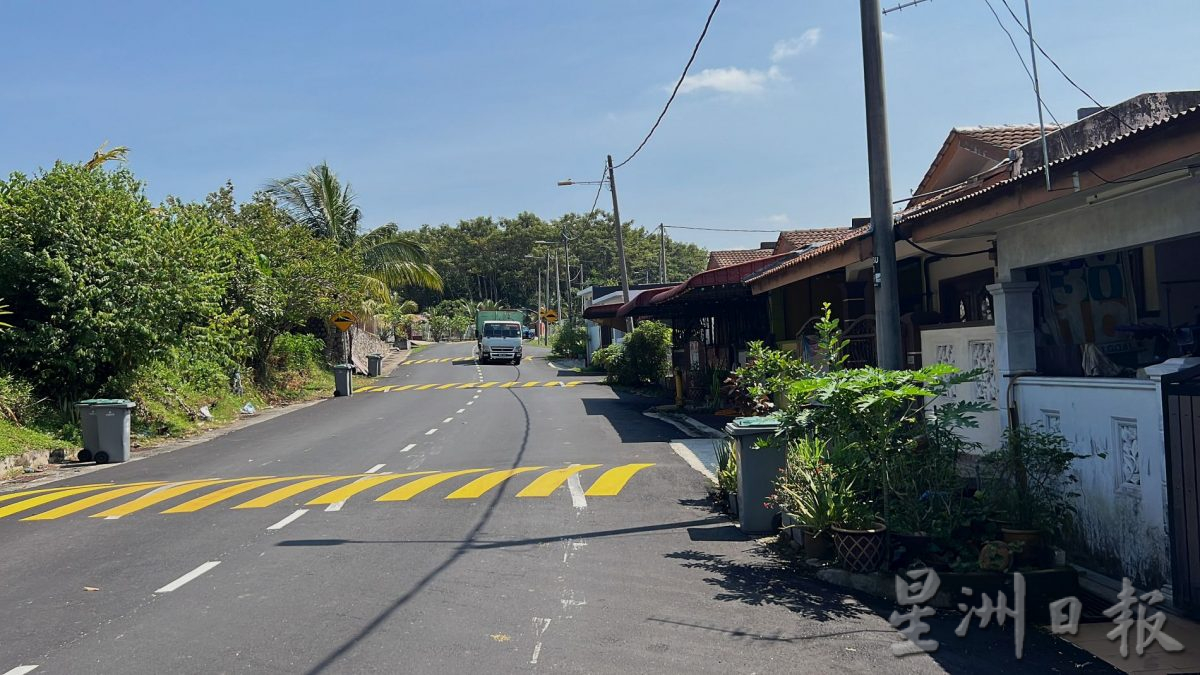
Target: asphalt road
column 597, row 553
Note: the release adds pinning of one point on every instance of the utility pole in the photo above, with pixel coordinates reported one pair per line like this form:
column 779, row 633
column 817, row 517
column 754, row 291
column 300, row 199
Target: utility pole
column 1037, row 91
column 612, row 186
column 887, row 299
column 662, row 254
column 557, row 287
column 546, row 335
column 567, row 262
column 540, row 306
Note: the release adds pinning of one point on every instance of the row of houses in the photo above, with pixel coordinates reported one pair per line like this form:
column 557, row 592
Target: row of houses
column 1080, row 302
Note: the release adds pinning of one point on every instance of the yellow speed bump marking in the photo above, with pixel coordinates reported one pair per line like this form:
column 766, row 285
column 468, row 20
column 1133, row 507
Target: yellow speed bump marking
column 276, row 496
column 410, row 490
column 533, row 383
column 404, row 387
column 547, row 483
column 385, row 388
column 485, row 385
column 611, row 482
column 449, row 386
column 367, row 388
column 90, row 501
column 424, row 387
column 552, row 384
column 347, row 491
column 47, row 497
column 227, row 492
column 26, row 493
column 478, row 487
column 509, row 385
column 573, row 383
column 165, row 493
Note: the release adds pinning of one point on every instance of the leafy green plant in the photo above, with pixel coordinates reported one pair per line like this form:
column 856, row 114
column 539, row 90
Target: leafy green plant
column 727, row 478
column 570, row 342
column 817, row 487
column 4, row 312
column 1027, row 479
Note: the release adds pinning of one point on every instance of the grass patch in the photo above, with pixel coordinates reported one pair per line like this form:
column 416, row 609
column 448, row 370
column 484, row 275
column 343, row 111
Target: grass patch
column 15, row 440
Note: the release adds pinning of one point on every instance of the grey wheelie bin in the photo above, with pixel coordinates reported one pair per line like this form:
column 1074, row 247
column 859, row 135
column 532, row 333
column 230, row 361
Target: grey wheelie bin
column 111, row 420
column 343, row 379
column 374, row 365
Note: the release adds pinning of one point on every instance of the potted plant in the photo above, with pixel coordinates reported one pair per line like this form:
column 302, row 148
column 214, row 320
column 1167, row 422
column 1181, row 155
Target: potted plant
column 1027, row 482
column 816, row 488
column 859, row 537
column 727, row 478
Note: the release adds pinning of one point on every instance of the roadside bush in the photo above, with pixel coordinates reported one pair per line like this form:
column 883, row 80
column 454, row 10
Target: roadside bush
column 646, row 356
column 609, row 359
column 293, row 351
column 570, row 342
column 18, row 404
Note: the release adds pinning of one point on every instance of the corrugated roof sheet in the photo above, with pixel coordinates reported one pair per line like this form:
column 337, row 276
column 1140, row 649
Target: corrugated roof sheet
column 734, row 256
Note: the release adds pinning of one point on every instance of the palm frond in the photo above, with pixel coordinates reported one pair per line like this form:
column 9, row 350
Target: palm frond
column 317, row 200
column 103, row 155
column 4, row 312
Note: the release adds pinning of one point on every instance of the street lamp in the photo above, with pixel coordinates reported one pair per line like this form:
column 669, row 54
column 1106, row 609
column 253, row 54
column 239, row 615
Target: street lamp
column 539, row 295
column 612, row 187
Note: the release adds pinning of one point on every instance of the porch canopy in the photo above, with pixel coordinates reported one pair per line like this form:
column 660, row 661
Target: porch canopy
column 709, row 293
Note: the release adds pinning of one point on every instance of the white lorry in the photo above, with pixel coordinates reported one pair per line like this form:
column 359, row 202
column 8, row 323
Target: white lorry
column 499, row 335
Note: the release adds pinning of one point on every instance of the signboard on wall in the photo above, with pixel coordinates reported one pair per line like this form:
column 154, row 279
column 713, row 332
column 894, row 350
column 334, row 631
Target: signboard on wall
column 1087, row 298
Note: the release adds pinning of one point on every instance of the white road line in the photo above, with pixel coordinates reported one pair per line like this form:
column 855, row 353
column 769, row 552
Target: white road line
column 448, row 420
column 470, row 402
column 577, row 498
column 461, row 411
column 283, row 523
column 376, row 468
column 21, row 670
column 174, row 585
column 431, row 431
column 539, row 629
column 336, row 506
column 408, row 447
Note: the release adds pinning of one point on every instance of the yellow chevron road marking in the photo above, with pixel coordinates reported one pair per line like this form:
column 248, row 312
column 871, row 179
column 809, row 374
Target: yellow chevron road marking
column 449, row 386
column 347, row 491
column 424, row 387
column 509, row 385
column 410, row 490
column 485, row 385
column 47, row 497
column 25, row 493
column 404, row 387
column 227, row 492
column 166, row 493
column 276, row 496
column 552, row 384
column 573, row 383
column 360, row 390
column 90, row 501
column 534, row 383
column 611, row 482
column 481, row 485
column 548, row 482
column 469, row 385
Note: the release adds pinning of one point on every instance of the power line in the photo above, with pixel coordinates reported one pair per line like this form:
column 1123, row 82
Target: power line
column 599, row 187
column 677, row 85
column 715, row 229
column 1063, row 73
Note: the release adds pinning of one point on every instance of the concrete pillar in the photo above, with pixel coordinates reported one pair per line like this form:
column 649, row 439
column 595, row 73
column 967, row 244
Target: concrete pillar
column 1016, row 337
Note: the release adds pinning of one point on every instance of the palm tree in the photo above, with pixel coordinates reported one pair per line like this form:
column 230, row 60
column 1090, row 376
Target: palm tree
column 488, row 304
column 317, row 200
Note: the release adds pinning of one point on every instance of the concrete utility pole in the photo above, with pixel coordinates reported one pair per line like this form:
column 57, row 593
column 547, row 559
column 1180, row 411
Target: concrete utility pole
column 612, row 185
column 546, row 335
column 567, row 262
column 557, row 287
column 887, row 298
column 662, row 254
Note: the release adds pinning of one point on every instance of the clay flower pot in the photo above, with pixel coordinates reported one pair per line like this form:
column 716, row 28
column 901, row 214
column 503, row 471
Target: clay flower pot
column 860, row 550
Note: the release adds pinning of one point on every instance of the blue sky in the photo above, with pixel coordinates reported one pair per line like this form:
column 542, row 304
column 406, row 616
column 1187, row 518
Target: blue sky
column 437, row 110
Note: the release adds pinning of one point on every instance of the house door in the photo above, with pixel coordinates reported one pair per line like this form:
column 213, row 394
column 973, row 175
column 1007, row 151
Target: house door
column 1182, row 430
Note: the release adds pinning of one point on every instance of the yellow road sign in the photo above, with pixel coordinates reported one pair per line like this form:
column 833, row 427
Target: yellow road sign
column 343, row 320
column 550, row 316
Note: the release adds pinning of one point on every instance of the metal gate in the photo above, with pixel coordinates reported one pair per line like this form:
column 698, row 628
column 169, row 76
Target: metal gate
column 1181, row 427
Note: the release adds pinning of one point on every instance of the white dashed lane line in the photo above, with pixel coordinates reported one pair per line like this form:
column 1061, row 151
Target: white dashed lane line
column 284, row 523
column 431, row 431
column 175, row 585
column 376, row 468
column 448, row 420
column 408, row 447
column 461, row 411
column 21, row 670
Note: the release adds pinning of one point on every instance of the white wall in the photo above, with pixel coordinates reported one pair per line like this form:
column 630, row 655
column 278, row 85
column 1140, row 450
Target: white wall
column 968, row 348
column 1122, row 514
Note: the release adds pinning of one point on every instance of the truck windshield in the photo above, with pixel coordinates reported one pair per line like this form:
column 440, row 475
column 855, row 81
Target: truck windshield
column 501, row 330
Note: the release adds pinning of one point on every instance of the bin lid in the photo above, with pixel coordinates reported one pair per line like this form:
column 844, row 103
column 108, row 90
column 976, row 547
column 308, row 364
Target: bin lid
column 344, row 366
column 762, row 421
column 375, row 356
column 109, row 402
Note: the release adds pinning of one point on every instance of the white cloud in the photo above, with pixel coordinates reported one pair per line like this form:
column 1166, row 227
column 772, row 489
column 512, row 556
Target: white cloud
column 730, row 80
column 785, row 49
column 778, row 219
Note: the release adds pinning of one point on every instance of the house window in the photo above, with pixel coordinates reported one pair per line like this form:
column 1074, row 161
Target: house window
column 966, row 298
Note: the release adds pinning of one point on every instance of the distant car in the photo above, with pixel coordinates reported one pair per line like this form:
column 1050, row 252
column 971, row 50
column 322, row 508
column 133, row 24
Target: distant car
column 528, row 333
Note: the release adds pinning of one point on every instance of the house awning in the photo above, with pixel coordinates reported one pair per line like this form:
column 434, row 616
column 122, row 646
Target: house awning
column 854, row 246
column 601, row 311
column 732, row 275
column 636, row 306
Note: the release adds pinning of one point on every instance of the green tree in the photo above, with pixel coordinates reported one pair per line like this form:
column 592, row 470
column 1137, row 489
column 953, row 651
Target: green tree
column 318, row 201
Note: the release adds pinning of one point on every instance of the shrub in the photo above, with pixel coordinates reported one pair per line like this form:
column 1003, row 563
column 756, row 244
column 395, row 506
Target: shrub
column 17, row 401
column 646, row 354
column 609, row 358
column 570, row 342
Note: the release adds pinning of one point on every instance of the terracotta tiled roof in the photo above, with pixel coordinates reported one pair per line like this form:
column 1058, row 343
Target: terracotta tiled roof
column 1005, row 136
column 803, row 238
column 733, row 274
column 973, row 191
column 732, row 257
column 847, row 235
